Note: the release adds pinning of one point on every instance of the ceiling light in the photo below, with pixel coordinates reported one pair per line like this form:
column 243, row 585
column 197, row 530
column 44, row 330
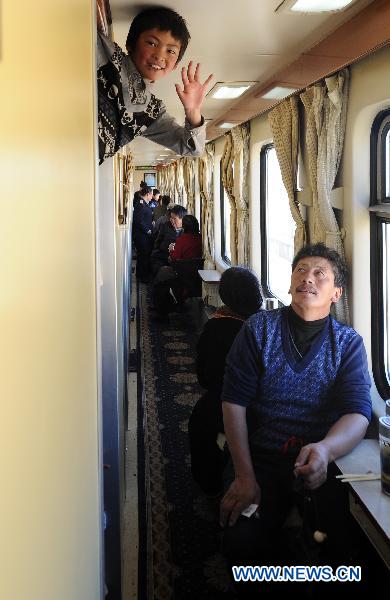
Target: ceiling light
column 226, row 125
column 225, row 91
column 277, row 92
column 314, row 6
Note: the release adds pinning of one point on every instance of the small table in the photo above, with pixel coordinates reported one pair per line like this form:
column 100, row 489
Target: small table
column 210, row 277
column 367, row 503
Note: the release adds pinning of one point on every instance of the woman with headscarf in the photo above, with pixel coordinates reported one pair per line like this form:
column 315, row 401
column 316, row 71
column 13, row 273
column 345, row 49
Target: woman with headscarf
column 239, row 290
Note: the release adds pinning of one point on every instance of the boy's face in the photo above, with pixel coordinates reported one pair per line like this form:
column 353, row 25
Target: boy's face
column 155, row 54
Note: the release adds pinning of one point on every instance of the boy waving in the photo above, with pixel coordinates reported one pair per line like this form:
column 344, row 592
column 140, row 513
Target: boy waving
column 157, row 40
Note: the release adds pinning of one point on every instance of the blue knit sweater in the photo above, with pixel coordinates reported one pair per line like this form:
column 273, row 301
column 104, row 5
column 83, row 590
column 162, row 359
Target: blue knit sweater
column 300, row 399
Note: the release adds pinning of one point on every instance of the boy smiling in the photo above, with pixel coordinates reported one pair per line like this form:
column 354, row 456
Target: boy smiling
column 157, row 40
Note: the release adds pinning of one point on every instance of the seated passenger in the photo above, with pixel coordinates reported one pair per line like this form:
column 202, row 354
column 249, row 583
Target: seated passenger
column 160, row 210
column 296, row 396
column 189, row 243
column 240, row 292
column 167, row 234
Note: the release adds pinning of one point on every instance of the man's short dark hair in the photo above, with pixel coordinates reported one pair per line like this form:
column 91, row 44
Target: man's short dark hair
column 146, row 190
column 338, row 264
column 155, row 191
column 164, row 19
column 179, row 210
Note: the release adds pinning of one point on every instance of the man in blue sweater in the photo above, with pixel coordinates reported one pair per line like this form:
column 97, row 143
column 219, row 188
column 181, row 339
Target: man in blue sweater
column 296, row 396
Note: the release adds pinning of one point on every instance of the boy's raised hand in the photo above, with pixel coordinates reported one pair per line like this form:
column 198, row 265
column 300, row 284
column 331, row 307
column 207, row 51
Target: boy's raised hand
column 193, row 93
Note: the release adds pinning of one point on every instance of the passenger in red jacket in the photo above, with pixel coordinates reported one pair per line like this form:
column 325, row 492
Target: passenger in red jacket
column 189, row 244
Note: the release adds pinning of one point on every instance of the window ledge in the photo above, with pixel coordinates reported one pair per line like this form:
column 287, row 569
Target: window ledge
column 380, row 208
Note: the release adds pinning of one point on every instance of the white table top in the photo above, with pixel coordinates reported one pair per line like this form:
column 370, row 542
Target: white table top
column 210, row 275
column 364, row 458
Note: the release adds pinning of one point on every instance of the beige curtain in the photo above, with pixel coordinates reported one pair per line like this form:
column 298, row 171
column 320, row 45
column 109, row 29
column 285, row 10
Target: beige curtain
column 235, row 169
column 227, row 166
column 123, row 183
column 180, row 195
column 284, row 125
column 241, row 137
column 189, row 169
column 205, row 176
column 326, row 108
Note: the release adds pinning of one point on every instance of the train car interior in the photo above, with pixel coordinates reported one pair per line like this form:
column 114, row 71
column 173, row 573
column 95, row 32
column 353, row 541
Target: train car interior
column 104, row 354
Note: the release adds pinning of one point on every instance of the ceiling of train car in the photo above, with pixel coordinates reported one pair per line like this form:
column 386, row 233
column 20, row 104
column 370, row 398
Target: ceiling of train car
column 236, row 40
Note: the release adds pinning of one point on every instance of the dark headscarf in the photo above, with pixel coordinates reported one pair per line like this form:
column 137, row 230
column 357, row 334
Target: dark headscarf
column 239, row 290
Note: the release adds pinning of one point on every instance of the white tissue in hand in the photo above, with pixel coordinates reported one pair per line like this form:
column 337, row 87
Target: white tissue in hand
column 248, row 512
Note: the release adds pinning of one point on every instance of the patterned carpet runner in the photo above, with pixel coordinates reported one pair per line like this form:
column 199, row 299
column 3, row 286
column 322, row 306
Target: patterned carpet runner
column 185, row 536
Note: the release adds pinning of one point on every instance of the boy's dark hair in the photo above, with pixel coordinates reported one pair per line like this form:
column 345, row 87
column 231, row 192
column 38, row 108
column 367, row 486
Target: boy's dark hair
column 190, row 224
column 164, row 19
column 146, row 190
column 339, row 267
column 179, row 210
column 239, row 290
column 155, row 191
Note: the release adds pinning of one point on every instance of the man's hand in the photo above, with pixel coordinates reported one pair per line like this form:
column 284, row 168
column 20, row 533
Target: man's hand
column 312, row 465
column 242, row 492
column 193, row 93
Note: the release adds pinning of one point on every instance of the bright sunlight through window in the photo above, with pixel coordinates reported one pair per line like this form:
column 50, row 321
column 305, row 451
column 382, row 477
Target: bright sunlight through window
column 280, row 231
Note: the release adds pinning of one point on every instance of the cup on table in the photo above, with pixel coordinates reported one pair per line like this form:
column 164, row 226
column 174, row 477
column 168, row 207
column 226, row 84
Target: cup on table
column 384, row 448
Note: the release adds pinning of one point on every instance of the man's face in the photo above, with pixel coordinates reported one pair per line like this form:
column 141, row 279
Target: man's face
column 155, row 54
column 148, row 197
column 176, row 221
column 312, row 287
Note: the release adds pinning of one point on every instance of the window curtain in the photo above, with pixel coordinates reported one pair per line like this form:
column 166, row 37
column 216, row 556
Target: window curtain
column 227, row 163
column 189, row 168
column 326, row 109
column 123, row 182
column 205, row 175
column 180, row 195
column 241, row 137
column 284, row 124
column 235, row 171
column 166, row 181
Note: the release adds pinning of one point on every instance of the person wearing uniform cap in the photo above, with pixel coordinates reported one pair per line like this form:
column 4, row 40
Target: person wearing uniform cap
column 239, row 290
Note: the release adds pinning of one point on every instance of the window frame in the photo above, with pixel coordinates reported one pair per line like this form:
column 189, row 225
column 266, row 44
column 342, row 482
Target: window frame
column 222, row 193
column 379, row 215
column 263, row 220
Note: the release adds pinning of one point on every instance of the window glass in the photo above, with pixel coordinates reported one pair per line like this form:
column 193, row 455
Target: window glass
column 380, row 251
column 385, row 227
column 279, row 230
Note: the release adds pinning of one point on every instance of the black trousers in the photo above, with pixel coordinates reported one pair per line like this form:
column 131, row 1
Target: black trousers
column 142, row 244
column 261, row 542
column 207, row 459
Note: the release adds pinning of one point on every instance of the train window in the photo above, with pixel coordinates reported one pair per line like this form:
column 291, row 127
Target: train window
column 225, row 222
column 150, row 179
column 380, row 250
column 277, row 228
